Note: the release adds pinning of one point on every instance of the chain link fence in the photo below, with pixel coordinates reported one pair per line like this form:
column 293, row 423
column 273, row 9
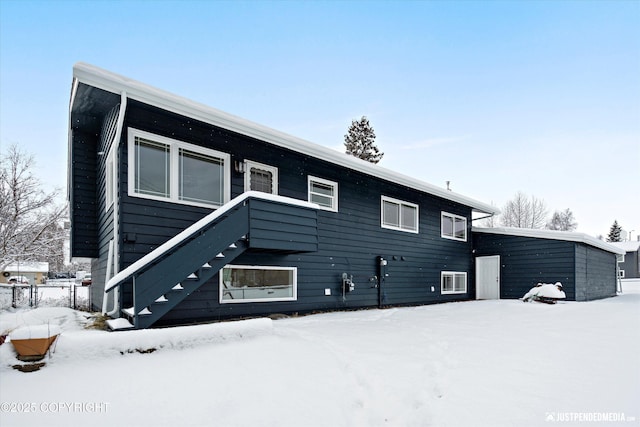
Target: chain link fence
column 55, row 293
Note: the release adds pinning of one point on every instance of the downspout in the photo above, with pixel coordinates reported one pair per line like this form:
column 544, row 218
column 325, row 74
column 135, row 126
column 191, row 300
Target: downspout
column 116, row 209
column 109, row 273
column 483, row 217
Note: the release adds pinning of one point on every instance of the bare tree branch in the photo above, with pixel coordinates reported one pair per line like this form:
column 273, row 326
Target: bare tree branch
column 31, row 223
column 524, row 212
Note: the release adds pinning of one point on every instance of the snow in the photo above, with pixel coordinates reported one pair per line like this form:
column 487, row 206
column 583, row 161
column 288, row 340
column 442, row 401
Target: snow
column 34, row 332
column 546, row 290
column 569, row 236
column 476, row 363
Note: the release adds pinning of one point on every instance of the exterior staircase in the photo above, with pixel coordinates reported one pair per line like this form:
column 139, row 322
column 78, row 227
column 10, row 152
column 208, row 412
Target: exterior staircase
column 162, row 279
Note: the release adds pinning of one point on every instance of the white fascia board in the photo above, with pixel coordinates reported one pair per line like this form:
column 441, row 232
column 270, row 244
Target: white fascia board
column 552, row 235
column 115, row 83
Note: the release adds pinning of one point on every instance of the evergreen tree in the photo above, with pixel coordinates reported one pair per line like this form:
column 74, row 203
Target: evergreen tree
column 360, row 141
column 562, row 221
column 614, row 233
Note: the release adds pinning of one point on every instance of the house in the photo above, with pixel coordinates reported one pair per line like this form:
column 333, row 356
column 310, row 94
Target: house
column 191, row 214
column 510, row 261
column 35, row 272
column 629, row 262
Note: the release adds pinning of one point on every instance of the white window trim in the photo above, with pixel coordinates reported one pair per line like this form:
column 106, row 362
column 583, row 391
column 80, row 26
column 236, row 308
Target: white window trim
column 221, row 286
column 334, row 204
column 174, row 149
column 247, row 174
column 454, row 217
column 110, row 178
column 453, row 273
column 401, row 203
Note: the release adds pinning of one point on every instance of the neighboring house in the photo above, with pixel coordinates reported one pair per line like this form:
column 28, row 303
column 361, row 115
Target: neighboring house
column 629, row 262
column 35, row 272
column 510, row 261
column 191, row 214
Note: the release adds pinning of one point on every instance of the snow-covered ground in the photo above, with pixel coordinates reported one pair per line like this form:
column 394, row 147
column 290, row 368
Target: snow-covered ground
column 478, row 363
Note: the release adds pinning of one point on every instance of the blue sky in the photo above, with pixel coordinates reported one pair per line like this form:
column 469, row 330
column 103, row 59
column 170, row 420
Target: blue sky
column 497, row 97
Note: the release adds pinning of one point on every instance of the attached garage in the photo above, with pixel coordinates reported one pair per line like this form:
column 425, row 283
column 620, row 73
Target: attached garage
column 510, row 261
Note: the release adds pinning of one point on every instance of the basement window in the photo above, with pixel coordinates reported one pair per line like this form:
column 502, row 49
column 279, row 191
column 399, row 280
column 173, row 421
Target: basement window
column 242, row 283
column 453, row 282
column 169, row 170
column 454, row 227
column 399, row 215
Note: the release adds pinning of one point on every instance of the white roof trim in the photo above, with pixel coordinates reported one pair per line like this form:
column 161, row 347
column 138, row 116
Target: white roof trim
column 552, row 235
column 111, row 82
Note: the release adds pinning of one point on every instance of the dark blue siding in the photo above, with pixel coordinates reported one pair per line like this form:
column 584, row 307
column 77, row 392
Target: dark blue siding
column 83, row 198
column 526, row 261
column 596, row 270
column 348, row 241
column 631, row 265
column 586, row 272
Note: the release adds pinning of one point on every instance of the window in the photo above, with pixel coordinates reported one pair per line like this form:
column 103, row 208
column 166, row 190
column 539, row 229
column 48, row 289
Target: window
column 165, row 169
column 621, row 274
column 454, row 227
column 324, row 193
column 453, row 282
column 399, row 215
column 259, row 177
column 240, row 283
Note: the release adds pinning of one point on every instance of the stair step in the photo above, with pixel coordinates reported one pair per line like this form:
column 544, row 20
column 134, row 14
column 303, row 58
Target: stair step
column 128, row 311
column 220, row 255
column 192, row 276
column 178, row 287
column 162, row 298
column 233, row 246
column 145, row 311
column 206, row 265
column 119, row 324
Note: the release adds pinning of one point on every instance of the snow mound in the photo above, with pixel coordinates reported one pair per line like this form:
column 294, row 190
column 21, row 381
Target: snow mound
column 545, row 290
column 94, row 345
column 35, row 332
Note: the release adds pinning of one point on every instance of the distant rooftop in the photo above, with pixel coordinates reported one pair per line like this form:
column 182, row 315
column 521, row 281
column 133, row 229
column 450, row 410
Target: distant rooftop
column 29, row 267
column 631, row 246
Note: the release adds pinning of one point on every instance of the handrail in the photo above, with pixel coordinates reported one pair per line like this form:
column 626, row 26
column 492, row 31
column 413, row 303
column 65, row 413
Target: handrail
column 197, row 226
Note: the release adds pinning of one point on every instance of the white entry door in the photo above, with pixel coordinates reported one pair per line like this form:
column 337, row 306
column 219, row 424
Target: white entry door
column 488, row 277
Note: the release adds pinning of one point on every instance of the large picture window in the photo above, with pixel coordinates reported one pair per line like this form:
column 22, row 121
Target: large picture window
column 454, row 227
column 241, row 283
column 399, row 215
column 165, row 169
column 324, row 193
column 453, row 282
